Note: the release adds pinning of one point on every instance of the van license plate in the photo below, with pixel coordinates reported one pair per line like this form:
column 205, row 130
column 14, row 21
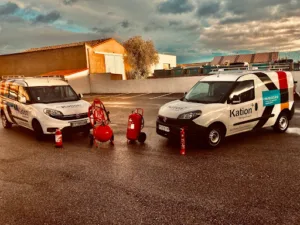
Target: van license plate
column 164, row 128
column 79, row 123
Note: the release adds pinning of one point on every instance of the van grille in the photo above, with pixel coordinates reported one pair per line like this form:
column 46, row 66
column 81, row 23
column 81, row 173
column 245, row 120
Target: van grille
column 72, row 117
column 175, row 122
column 168, row 120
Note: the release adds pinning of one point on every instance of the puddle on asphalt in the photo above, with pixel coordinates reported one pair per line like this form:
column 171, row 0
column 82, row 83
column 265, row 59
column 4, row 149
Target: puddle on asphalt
column 293, row 131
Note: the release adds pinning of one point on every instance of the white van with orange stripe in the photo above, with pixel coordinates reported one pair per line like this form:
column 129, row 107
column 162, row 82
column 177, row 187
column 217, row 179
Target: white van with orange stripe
column 42, row 105
column 222, row 105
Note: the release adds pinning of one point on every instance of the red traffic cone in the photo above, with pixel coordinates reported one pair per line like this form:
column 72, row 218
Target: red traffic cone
column 58, row 139
column 182, row 141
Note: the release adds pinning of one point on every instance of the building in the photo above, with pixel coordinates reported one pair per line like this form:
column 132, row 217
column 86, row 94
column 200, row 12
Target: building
column 166, row 62
column 245, row 58
column 198, row 64
column 97, row 56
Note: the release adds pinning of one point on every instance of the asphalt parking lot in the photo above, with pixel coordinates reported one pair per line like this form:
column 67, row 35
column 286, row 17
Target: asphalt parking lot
column 253, row 178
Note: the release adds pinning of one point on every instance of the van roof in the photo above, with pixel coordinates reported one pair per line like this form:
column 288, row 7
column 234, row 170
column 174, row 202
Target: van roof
column 39, row 81
column 234, row 76
column 222, row 77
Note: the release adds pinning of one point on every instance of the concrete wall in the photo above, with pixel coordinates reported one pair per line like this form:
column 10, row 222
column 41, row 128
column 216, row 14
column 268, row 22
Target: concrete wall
column 80, row 82
column 106, row 83
column 40, row 62
column 103, row 84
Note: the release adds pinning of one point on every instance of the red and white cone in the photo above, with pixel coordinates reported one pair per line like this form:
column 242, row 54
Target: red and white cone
column 58, row 139
column 182, row 141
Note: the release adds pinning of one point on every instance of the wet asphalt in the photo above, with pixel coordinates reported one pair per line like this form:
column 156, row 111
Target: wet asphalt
column 253, row 178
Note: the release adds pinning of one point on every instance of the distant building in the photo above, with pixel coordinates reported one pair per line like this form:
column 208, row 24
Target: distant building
column 166, row 62
column 197, row 64
column 245, row 58
column 96, row 56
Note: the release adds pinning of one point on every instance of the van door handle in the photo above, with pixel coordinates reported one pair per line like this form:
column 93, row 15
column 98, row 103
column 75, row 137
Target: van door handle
column 256, row 106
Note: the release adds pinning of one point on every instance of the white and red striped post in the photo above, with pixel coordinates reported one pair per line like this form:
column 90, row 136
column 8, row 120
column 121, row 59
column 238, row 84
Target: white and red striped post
column 182, row 141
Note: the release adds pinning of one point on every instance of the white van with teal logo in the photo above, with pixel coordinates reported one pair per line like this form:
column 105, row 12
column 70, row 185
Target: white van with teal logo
column 222, row 105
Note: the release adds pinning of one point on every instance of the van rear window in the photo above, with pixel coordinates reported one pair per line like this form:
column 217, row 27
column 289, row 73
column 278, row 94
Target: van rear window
column 4, row 89
column 13, row 92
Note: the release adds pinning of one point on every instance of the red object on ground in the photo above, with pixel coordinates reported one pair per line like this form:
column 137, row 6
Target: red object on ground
column 97, row 112
column 182, row 141
column 58, row 139
column 99, row 119
column 103, row 133
column 135, row 126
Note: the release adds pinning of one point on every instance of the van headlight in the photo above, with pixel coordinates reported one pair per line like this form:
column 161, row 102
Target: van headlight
column 53, row 113
column 190, row 115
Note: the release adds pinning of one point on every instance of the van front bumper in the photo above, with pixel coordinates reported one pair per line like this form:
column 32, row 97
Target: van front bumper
column 192, row 130
column 51, row 125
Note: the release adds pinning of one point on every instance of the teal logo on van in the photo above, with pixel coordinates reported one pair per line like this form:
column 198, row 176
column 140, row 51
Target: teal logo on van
column 271, row 98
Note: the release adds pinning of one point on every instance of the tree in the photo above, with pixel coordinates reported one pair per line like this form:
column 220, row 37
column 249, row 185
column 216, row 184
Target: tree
column 140, row 56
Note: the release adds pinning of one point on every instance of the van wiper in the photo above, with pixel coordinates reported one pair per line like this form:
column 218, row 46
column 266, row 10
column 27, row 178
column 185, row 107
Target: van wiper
column 195, row 101
column 184, row 99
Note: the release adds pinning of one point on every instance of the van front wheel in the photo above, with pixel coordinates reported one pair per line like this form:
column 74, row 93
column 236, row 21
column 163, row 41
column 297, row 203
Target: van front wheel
column 282, row 123
column 214, row 137
column 5, row 123
column 38, row 131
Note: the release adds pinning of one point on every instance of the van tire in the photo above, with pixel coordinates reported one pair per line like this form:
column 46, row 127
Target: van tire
column 214, row 136
column 5, row 123
column 282, row 123
column 38, row 131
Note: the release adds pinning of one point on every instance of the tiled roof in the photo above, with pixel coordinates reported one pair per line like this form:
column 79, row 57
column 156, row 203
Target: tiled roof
column 62, row 72
column 230, row 58
column 91, row 43
column 261, row 58
column 275, row 56
column 216, row 60
column 244, row 58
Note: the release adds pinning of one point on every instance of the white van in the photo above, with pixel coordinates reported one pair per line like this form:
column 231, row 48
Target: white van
column 42, row 105
column 222, row 105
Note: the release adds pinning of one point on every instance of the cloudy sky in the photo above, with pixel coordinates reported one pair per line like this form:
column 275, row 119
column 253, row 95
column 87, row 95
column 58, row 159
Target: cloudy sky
column 194, row 30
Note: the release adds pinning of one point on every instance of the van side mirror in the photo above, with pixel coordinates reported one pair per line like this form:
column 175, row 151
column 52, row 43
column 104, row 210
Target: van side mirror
column 235, row 100
column 22, row 100
column 80, row 96
column 183, row 97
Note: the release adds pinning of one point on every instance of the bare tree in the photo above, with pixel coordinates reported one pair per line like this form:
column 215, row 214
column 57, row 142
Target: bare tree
column 140, row 56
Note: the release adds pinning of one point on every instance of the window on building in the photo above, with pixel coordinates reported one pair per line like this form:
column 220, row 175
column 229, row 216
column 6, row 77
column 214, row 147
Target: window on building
column 166, row 66
column 244, row 90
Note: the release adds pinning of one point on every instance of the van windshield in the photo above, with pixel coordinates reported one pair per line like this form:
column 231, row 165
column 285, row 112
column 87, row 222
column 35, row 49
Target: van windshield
column 52, row 94
column 209, row 92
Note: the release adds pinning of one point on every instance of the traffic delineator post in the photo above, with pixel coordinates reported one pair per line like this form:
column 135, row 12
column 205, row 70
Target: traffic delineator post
column 182, row 141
